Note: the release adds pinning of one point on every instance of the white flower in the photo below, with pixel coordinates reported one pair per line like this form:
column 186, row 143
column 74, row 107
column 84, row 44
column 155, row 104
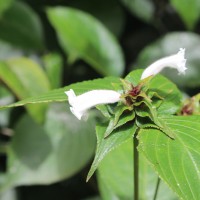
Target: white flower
column 80, row 104
column 176, row 61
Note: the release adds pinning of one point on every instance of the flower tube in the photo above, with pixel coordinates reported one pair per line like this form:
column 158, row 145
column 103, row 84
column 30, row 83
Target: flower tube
column 176, row 61
column 80, row 104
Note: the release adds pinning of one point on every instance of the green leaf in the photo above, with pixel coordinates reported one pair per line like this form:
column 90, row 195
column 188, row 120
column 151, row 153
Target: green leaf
column 110, row 13
column 164, row 88
column 94, row 44
column 58, row 95
column 53, row 64
column 115, row 173
column 148, row 111
column 119, row 110
column 176, row 161
column 104, row 110
column 115, row 176
column 143, row 9
column 110, row 127
column 4, row 5
column 119, row 118
column 124, row 118
column 105, row 145
column 25, row 78
column 44, row 155
column 168, row 45
column 183, row 6
column 145, row 122
column 21, row 27
column 169, row 92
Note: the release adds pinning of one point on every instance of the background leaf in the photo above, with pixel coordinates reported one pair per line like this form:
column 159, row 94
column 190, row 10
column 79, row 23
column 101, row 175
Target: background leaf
column 184, row 8
column 25, row 78
column 53, row 64
column 143, row 9
column 170, row 44
column 176, row 161
column 110, row 13
column 43, row 155
column 21, row 27
column 94, row 44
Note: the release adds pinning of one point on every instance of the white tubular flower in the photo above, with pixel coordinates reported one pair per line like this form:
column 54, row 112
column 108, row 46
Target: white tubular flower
column 176, row 61
column 80, row 104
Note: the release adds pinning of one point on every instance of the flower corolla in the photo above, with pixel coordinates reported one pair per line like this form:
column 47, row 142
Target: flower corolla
column 176, row 61
column 81, row 103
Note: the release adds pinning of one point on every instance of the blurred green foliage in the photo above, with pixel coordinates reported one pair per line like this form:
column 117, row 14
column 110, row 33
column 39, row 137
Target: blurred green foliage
column 49, row 44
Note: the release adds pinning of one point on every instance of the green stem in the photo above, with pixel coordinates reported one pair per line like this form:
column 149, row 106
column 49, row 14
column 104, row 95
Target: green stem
column 156, row 190
column 136, row 166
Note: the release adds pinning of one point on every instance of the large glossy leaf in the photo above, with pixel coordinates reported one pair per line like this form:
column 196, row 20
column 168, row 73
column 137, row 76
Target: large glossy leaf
column 43, row 155
column 115, row 176
column 21, row 26
column 83, row 36
column 144, row 9
column 25, row 78
column 58, row 95
column 170, row 44
column 163, row 87
column 188, row 11
column 105, row 145
column 176, row 161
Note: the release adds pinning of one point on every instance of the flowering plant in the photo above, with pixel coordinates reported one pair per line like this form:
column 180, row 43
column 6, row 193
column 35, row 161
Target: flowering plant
column 139, row 104
column 107, row 98
column 145, row 107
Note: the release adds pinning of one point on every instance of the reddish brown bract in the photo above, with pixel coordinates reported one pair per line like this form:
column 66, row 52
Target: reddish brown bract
column 135, row 91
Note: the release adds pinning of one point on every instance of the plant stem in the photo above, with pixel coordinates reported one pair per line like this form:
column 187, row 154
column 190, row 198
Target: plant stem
column 136, row 166
column 156, row 190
